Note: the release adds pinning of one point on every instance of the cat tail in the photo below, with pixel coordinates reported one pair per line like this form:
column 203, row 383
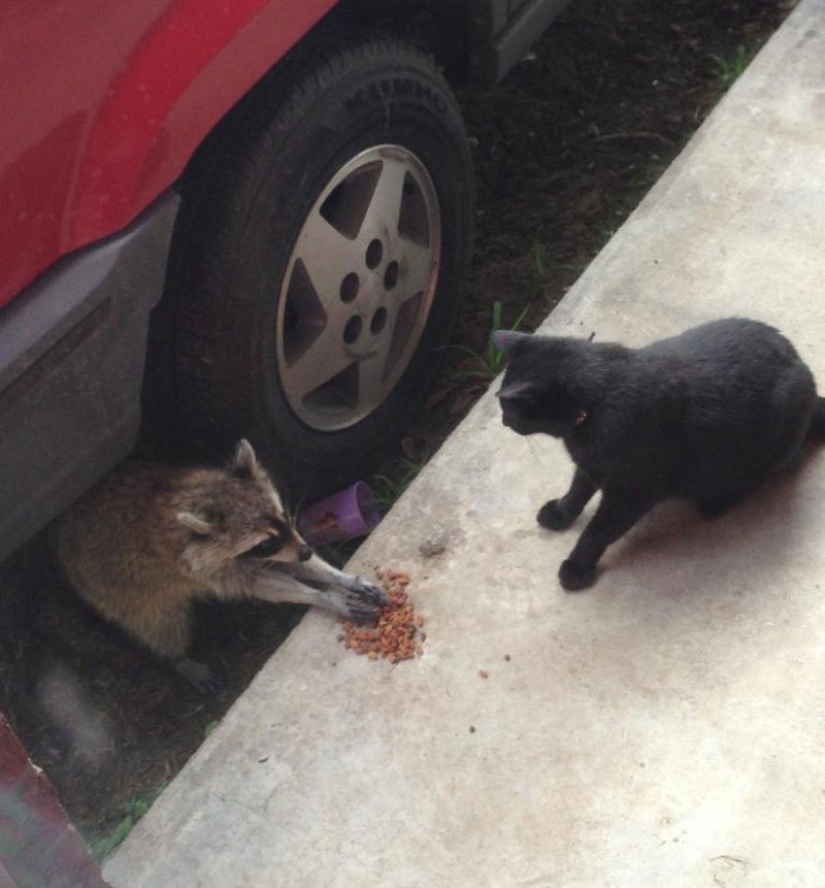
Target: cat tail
column 816, row 430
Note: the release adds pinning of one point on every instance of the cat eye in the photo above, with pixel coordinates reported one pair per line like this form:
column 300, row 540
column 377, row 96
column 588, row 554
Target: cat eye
column 266, row 548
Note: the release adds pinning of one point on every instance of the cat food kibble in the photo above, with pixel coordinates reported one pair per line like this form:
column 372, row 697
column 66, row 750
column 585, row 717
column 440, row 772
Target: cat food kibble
column 396, row 635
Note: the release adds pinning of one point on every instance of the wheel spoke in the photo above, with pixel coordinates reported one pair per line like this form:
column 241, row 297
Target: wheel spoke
column 385, row 204
column 325, row 251
column 373, row 372
column 320, row 363
column 417, row 266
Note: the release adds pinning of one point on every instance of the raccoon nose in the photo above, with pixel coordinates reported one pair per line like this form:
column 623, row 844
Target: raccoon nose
column 305, row 553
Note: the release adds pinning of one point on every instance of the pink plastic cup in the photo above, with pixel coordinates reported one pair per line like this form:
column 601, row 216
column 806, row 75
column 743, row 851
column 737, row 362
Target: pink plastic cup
column 343, row 516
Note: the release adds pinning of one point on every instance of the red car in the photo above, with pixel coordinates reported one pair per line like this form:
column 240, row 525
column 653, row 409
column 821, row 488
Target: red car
column 256, row 214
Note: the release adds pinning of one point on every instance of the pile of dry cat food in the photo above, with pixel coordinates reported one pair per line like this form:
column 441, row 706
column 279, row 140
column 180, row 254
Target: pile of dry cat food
column 398, row 633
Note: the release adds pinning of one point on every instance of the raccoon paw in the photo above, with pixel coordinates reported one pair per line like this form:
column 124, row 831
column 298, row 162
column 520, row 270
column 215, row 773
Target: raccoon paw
column 370, row 592
column 363, row 608
column 575, row 577
column 199, row 675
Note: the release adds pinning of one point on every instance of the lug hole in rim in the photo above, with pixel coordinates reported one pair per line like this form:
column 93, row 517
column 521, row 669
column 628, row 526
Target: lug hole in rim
column 375, row 252
column 349, row 287
column 379, row 321
column 352, row 330
column 391, row 275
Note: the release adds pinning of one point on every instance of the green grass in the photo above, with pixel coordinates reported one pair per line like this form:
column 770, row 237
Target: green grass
column 490, row 362
column 102, row 846
column 387, row 490
column 538, row 260
column 730, row 70
column 542, row 264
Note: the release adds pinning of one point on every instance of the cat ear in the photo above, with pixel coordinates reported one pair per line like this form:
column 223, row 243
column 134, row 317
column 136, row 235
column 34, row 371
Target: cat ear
column 517, row 391
column 244, row 463
column 508, row 340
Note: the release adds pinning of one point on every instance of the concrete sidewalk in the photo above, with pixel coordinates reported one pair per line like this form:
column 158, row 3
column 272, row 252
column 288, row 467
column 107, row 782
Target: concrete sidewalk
column 667, row 727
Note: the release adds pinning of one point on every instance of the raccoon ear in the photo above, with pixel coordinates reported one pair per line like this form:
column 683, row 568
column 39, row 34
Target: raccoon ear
column 195, row 523
column 244, row 463
column 508, row 341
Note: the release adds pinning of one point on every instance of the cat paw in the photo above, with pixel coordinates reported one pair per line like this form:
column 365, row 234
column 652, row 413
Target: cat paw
column 575, row 577
column 552, row 516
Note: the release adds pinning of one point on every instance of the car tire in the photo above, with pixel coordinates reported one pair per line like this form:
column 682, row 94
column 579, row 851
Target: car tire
column 326, row 227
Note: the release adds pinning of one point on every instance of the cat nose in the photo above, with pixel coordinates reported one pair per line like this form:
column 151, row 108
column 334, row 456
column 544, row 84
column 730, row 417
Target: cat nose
column 305, row 553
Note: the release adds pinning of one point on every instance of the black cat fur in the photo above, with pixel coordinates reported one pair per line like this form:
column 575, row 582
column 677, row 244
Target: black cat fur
column 707, row 415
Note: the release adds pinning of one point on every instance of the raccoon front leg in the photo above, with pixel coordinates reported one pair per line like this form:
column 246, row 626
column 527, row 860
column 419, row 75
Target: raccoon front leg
column 359, row 603
column 560, row 513
column 316, row 570
column 617, row 513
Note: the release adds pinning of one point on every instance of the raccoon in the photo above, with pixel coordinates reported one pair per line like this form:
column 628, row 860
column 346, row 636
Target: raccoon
column 148, row 540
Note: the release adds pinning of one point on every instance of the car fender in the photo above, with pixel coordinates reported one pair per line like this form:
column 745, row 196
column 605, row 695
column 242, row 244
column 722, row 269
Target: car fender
column 162, row 104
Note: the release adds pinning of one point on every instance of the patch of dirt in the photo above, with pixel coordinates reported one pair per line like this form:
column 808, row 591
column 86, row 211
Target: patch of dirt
column 564, row 149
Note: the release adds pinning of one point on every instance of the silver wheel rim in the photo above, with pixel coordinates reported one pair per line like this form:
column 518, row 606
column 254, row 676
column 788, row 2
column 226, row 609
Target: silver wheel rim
column 359, row 288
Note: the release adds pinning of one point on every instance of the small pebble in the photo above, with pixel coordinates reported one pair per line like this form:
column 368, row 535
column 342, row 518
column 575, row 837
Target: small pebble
column 432, row 547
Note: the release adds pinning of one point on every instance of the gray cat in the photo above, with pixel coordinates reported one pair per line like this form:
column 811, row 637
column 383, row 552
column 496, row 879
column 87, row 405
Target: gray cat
column 707, row 415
